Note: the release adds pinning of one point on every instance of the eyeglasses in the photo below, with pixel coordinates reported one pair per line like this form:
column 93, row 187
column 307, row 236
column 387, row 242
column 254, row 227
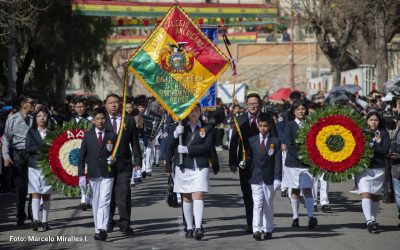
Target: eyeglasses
column 253, row 104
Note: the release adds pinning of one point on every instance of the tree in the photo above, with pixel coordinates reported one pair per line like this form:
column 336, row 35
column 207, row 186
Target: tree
column 55, row 47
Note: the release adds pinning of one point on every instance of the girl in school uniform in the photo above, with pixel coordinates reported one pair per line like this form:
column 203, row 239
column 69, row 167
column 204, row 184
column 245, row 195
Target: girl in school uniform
column 297, row 176
column 191, row 177
column 36, row 183
column 370, row 181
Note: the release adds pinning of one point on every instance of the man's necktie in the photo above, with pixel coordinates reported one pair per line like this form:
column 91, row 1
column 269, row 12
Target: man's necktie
column 262, row 145
column 27, row 120
column 253, row 125
column 100, row 138
column 114, row 124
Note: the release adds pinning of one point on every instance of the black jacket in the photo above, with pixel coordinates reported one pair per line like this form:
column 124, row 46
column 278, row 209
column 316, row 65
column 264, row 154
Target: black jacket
column 129, row 139
column 381, row 150
column 33, row 141
column 95, row 155
column 264, row 167
column 292, row 155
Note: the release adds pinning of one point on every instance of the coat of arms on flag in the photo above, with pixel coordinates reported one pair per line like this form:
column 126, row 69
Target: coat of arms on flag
column 177, row 63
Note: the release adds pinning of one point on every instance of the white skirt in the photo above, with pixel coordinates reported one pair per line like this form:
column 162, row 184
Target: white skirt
column 297, row 178
column 36, row 182
column 190, row 180
column 370, row 181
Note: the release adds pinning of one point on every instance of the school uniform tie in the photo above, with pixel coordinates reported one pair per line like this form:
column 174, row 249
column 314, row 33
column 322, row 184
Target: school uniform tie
column 262, row 145
column 253, row 125
column 114, row 124
column 100, row 138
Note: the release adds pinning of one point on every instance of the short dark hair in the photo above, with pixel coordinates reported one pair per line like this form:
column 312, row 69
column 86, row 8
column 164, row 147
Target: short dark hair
column 34, row 115
column 253, row 95
column 80, row 100
column 295, row 95
column 112, row 95
column 269, row 119
column 100, row 110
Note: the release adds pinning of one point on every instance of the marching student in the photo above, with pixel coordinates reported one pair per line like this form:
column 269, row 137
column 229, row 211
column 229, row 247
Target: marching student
column 297, row 175
column 36, row 183
column 96, row 149
column 370, row 181
column 265, row 175
column 191, row 178
column 81, row 117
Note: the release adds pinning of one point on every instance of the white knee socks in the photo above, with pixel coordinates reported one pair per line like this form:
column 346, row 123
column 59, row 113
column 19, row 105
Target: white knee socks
column 366, row 207
column 35, row 208
column 188, row 213
column 46, row 209
column 309, row 201
column 374, row 210
column 198, row 210
column 295, row 207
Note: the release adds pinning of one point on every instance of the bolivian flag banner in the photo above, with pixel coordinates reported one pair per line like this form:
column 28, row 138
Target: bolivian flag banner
column 177, row 63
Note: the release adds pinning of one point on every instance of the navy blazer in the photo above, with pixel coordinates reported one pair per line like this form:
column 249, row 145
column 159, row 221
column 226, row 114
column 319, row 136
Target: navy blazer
column 95, row 155
column 292, row 154
column 264, row 167
column 33, row 141
column 129, row 139
column 199, row 148
column 381, row 150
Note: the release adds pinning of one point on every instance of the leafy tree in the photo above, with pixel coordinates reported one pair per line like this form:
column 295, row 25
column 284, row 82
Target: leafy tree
column 55, row 47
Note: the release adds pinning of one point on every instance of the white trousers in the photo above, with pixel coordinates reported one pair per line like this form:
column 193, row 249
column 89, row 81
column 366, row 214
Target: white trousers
column 263, row 209
column 149, row 157
column 101, row 188
column 323, row 190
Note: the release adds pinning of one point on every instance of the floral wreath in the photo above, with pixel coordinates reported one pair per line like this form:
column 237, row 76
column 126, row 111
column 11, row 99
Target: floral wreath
column 331, row 141
column 59, row 157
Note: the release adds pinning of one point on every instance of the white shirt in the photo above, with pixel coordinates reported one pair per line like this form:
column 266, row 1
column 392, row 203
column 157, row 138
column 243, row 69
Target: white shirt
column 298, row 122
column 265, row 140
column 102, row 133
column 42, row 133
column 250, row 116
column 118, row 121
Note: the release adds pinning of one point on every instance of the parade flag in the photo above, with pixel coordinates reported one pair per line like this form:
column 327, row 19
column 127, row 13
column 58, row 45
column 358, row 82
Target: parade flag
column 208, row 101
column 177, row 63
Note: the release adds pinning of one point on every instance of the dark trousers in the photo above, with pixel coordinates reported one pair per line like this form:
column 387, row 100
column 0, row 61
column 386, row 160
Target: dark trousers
column 6, row 180
column 388, row 190
column 244, row 175
column 20, row 176
column 220, row 136
column 121, row 198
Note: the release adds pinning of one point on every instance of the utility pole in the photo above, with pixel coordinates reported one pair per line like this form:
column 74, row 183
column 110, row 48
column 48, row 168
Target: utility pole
column 292, row 45
column 12, row 65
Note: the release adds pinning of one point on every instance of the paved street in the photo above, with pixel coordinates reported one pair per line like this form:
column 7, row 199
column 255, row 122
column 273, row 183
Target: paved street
column 157, row 226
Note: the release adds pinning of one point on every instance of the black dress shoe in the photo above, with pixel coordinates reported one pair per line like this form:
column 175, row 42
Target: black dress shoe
column 189, row 234
column 144, row 175
column 198, row 233
column 84, row 206
column 371, row 226
column 295, row 222
column 268, row 236
column 30, row 217
column 326, row 208
column 257, row 236
column 126, row 230
column 284, row 193
column 45, row 227
column 312, row 223
column 102, row 235
column 96, row 236
column 35, row 225
column 148, row 174
column 315, row 208
column 110, row 228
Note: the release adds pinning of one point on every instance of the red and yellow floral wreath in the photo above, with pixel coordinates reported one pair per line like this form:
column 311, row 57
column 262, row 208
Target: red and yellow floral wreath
column 332, row 142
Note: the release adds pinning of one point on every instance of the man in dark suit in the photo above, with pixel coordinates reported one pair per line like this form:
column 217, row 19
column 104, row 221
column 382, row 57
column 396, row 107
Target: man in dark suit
column 96, row 148
column 121, row 195
column 248, row 126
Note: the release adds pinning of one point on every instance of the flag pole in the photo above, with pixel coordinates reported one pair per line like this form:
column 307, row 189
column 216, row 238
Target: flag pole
column 180, row 143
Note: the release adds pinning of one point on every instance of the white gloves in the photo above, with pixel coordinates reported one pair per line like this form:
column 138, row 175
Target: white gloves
column 82, row 182
column 277, row 184
column 178, row 131
column 242, row 164
column 109, row 160
column 182, row 149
